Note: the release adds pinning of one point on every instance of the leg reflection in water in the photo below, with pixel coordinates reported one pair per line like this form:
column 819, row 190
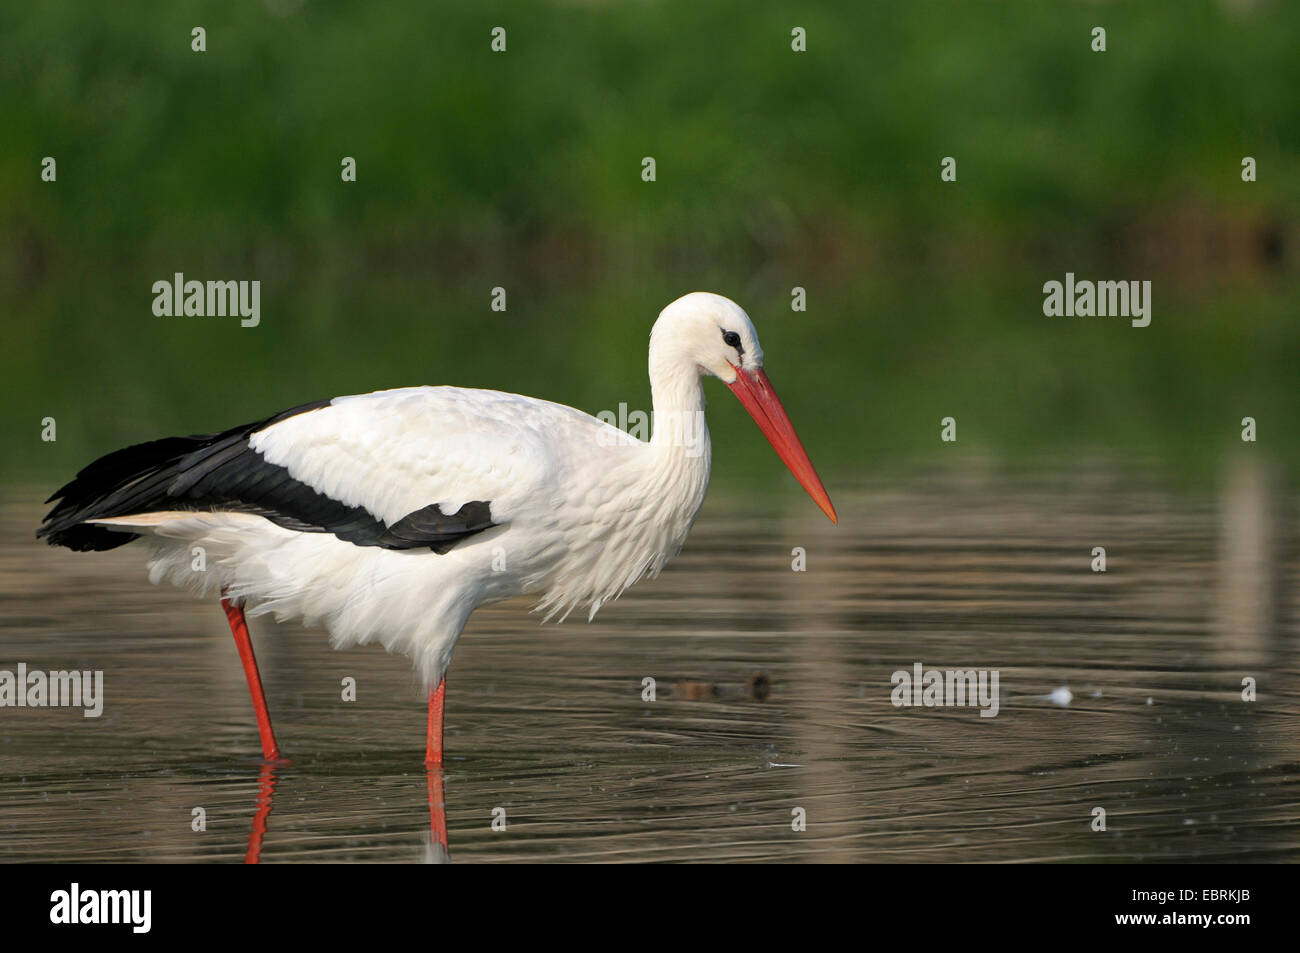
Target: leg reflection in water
column 437, row 852
column 265, row 792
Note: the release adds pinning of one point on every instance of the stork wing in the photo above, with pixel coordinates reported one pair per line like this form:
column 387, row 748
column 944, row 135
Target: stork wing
column 396, row 453
column 402, row 469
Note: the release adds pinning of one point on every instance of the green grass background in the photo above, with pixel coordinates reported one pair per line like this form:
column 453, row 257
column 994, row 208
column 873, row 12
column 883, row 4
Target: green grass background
column 775, row 169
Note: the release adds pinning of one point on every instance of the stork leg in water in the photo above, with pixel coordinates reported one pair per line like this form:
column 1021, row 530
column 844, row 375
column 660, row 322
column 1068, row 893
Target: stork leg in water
column 433, row 743
column 437, row 811
column 270, row 749
column 433, row 768
column 239, row 629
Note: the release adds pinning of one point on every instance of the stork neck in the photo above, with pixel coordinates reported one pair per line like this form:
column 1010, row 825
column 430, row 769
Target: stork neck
column 678, row 399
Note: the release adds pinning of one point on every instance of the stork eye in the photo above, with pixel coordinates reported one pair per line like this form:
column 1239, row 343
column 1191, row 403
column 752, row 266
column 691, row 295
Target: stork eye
column 731, row 339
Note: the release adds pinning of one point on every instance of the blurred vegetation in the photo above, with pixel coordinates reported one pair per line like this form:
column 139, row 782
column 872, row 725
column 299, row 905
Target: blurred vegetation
column 775, row 169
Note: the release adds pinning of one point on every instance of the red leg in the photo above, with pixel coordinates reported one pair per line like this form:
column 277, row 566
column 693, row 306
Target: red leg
column 433, row 746
column 437, row 807
column 433, row 768
column 239, row 629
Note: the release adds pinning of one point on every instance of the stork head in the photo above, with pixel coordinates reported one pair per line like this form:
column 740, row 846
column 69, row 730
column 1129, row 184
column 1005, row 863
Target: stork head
column 715, row 335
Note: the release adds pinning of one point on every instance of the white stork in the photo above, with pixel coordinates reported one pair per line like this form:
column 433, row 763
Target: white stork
column 389, row 517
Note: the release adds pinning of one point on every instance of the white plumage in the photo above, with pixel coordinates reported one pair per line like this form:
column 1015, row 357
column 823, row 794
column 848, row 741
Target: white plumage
column 579, row 511
column 581, row 517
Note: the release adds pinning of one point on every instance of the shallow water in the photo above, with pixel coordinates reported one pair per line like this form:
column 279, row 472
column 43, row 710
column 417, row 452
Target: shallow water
column 548, row 722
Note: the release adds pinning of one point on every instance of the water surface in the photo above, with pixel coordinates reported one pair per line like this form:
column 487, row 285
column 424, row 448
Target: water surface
column 548, row 722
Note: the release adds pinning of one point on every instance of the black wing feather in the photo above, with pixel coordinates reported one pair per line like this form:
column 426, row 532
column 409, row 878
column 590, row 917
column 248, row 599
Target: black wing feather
column 211, row 472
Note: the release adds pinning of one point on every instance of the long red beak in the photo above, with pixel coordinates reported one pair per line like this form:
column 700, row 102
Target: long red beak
column 756, row 393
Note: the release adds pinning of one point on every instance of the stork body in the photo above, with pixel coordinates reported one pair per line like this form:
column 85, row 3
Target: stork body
column 389, row 517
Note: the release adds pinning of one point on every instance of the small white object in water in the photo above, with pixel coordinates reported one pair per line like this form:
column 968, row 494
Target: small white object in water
column 1062, row 697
